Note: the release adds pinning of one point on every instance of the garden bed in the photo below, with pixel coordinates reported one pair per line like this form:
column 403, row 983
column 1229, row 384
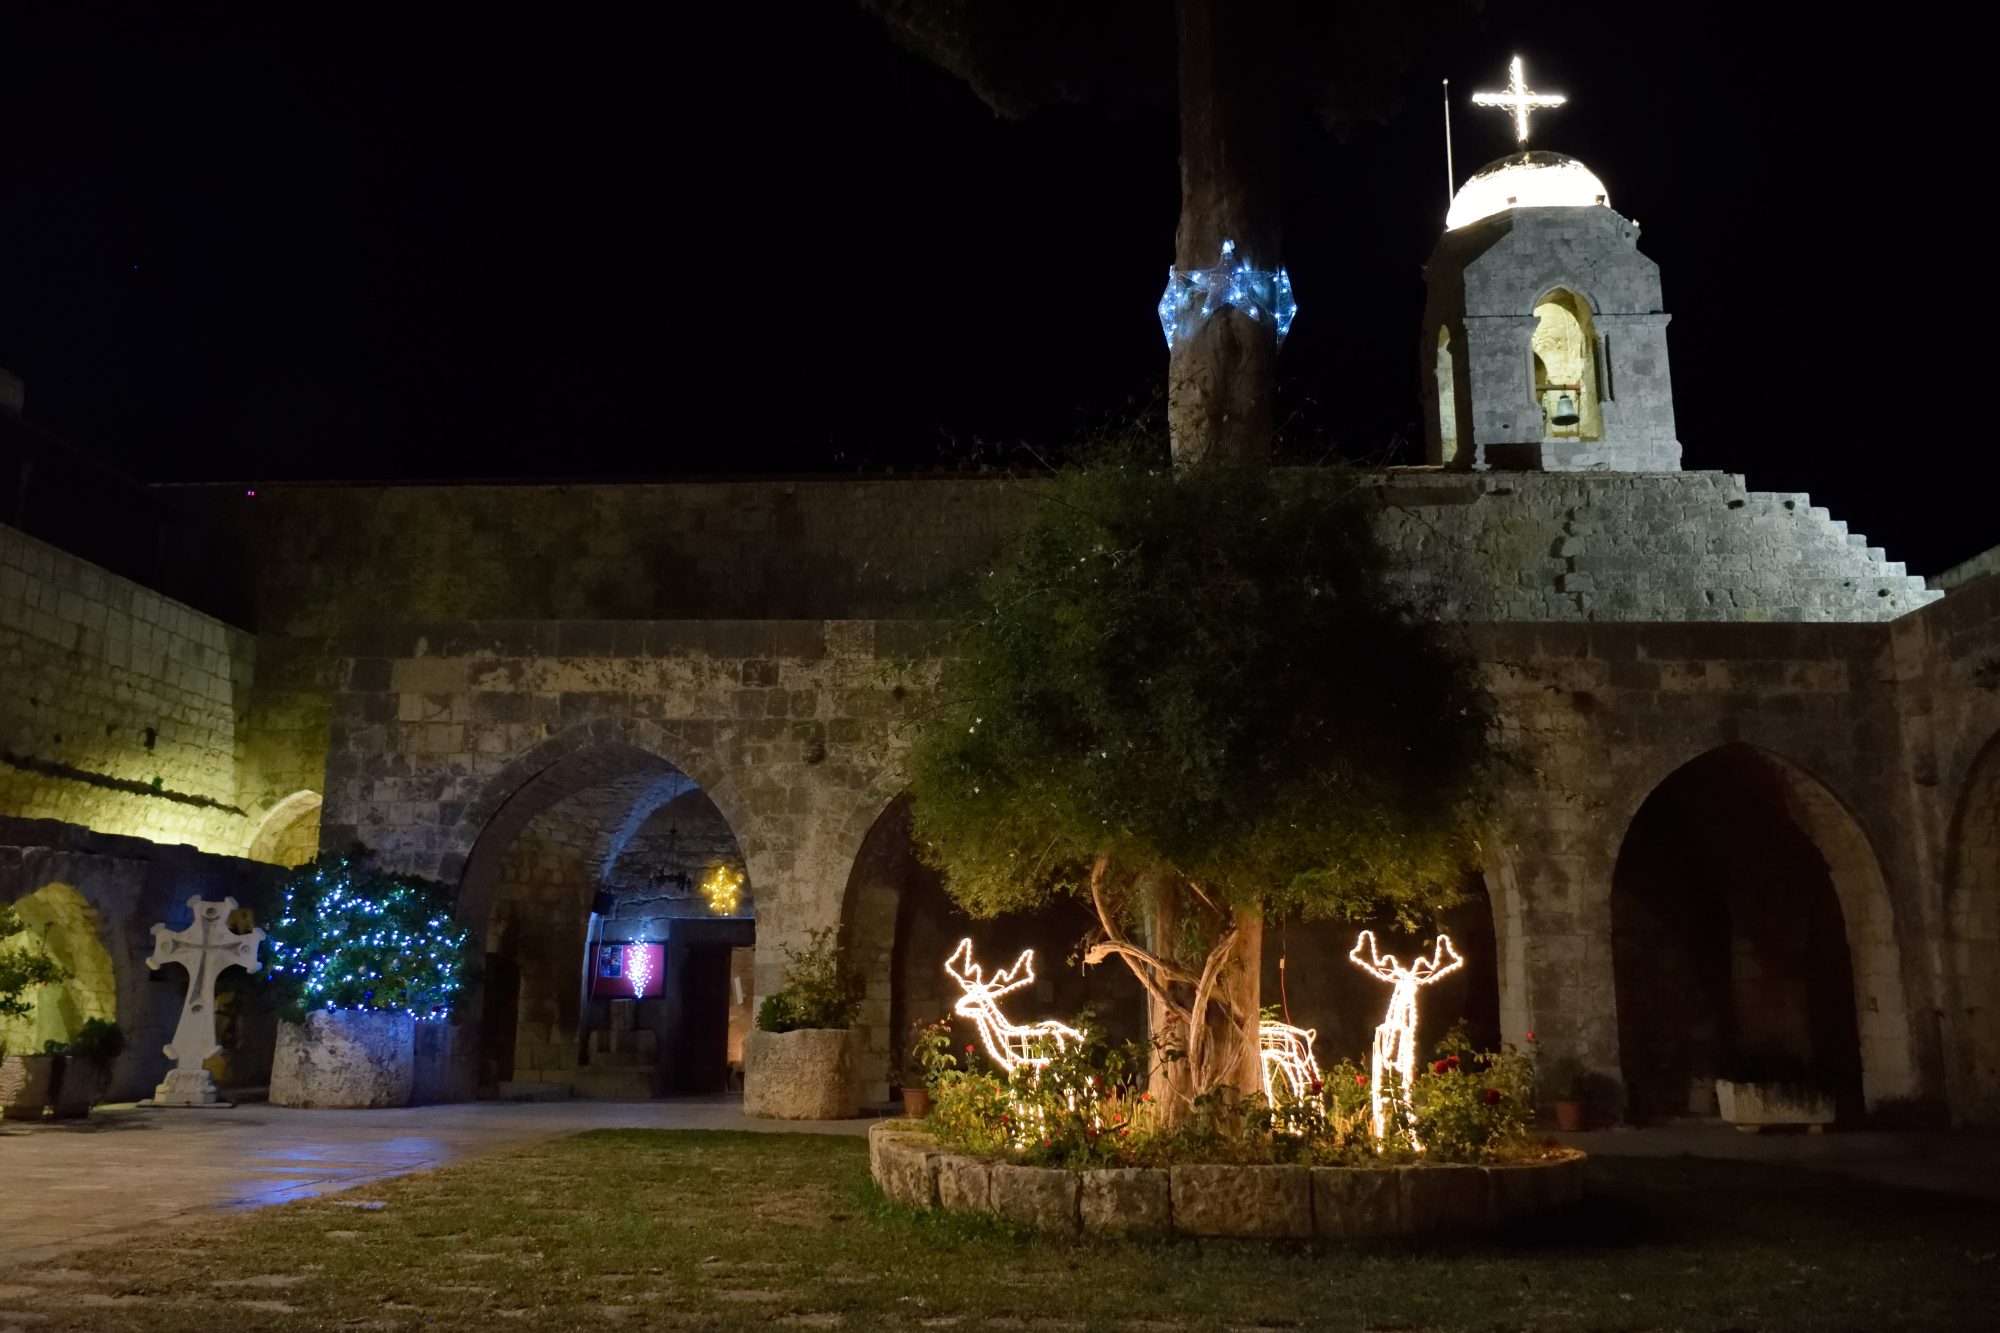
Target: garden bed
column 1273, row 1202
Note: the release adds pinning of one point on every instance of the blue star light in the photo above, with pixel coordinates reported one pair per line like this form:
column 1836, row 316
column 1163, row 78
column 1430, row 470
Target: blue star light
column 1258, row 293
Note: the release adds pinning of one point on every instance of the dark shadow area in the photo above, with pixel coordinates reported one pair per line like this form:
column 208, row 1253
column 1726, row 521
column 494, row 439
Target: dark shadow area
column 1729, row 945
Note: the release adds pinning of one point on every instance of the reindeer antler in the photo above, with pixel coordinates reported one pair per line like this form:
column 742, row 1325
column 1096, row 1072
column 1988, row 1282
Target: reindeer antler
column 1430, row 969
column 1384, row 969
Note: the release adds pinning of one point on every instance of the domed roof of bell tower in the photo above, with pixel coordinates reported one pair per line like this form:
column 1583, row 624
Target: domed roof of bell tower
column 1526, row 180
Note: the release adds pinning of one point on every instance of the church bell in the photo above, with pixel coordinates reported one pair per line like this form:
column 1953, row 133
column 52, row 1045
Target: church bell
column 1565, row 413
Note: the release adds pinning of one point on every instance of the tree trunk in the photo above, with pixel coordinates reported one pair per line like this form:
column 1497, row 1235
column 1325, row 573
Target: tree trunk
column 1221, row 380
column 1226, row 1052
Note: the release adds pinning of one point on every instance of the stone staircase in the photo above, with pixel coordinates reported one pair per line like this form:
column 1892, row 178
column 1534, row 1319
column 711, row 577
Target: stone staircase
column 624, row 1060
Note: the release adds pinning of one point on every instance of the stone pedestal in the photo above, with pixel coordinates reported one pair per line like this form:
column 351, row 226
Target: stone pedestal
column 345, row 1059
column 1751, row 1106
column 186, row 1087
column 802, row 1075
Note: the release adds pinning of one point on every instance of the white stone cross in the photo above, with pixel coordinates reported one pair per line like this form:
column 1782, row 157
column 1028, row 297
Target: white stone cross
column 205, row 949
column 1519, row 101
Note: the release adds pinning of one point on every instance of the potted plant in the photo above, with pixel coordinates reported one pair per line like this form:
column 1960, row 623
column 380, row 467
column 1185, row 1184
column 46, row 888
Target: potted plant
column 83, row 1066
column 358, row 955
column 930, row 1051
column 27, row 1081
column 797, row 1065
column 1569, row 1085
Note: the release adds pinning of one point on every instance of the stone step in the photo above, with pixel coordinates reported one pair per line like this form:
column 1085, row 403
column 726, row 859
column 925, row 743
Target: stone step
column 624, row 1082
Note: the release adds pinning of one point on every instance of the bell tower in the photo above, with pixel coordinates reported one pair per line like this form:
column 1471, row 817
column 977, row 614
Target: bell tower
column 1544, row 338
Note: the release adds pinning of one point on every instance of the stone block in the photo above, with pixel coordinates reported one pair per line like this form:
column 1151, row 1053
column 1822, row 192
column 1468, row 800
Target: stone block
column 1035, row 1196
column 1514, row 1193
column 345, row 1059
column 802, row 1075
column 1750, row 1106
column 1443, row 1197
column 964, row 1185
column 1128, row 1201
column 1356, row 1203
column 1263, row 1201
column 905, row 1166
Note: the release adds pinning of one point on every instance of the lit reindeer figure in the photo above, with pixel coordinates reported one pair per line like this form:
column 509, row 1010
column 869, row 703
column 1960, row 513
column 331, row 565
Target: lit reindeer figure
column 1288, row 1051
column 1396, row 1039
column 1010, row 1045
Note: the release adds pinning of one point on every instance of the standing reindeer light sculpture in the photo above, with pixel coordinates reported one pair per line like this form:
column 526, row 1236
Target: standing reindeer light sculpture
column 1396, row 1039
column 1010, row 1044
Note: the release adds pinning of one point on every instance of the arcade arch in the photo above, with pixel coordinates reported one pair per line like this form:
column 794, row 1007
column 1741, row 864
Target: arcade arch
column 1752, row 937
column 1972, row 942
column 1565, row 361
column 288, row 835
column 70, row 928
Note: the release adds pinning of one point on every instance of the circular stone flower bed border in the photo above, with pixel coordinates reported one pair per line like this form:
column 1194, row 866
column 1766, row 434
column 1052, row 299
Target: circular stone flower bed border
column 1263, row 1202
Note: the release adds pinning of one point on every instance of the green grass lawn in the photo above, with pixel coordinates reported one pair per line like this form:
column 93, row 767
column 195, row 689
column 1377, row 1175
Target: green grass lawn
column 657, row 1229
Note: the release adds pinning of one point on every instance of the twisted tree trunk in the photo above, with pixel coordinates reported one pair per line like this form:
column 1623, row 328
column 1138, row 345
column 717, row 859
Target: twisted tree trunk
column 1202, row 1005
column 1221, row 380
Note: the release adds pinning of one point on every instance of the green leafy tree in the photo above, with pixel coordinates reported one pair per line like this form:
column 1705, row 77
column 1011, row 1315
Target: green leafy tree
column 1187, row 696
column 24, row 962
column 349, row 936
column 1232, row 68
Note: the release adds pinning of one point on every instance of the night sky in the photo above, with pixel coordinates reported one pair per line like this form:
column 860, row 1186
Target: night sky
column 763, row 239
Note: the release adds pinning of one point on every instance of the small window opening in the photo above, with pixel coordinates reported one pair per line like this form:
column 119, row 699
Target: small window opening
column 1566, row 384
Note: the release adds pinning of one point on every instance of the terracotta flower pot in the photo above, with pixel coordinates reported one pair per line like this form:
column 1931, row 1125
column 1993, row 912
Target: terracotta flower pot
column 1569, row 1116
column 916, row 1102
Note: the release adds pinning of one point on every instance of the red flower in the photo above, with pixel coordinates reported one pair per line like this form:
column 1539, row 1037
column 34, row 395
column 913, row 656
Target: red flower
column 1493, row 1096
column 1451, row 1061
column 1318, row 1086
column 1361, row 1080
column 1531, row 1036
column 1440, row 1066
column 968, row 1050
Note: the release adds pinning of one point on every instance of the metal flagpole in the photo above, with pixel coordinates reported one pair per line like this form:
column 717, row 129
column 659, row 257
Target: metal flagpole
column 1450, row 176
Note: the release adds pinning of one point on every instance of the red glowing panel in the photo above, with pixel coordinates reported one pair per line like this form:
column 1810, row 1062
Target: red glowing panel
column 628, row 971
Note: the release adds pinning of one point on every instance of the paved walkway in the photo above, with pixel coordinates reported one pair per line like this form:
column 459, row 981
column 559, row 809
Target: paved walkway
column 1946, row 1163
column 125, row 1171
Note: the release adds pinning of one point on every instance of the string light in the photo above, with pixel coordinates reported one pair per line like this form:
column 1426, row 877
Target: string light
column 638, row 968
column 723, row 887
column 1010, row 1044
column 1259, row 293
column 1396, row 1038
column 1518, row 101
column 378, row 942
column 1289, row 1051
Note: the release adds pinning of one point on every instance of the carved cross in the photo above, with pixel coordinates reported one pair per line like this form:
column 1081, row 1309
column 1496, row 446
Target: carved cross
column 204, row 949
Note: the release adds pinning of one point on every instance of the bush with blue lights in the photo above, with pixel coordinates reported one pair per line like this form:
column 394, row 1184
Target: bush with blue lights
column 352, row 937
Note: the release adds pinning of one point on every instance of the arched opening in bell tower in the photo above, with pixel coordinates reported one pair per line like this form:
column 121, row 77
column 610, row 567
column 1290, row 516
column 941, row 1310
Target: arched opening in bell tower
column 1447, row 399
column 1565, row 360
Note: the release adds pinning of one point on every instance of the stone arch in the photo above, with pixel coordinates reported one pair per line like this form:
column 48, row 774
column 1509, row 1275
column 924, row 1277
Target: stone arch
column 1972, row 943
column 288, row 834
column 1747, row 893
column 1566, row 363
column 72, row 930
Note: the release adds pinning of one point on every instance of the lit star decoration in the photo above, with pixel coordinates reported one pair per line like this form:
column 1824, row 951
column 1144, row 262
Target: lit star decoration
column 638, row 968
column 1288, row 1052
column 723, row 887
column 1518, row 101
column 1396, row 1039
column 352, row 938
column 1010, row 1045
column 1193, row 295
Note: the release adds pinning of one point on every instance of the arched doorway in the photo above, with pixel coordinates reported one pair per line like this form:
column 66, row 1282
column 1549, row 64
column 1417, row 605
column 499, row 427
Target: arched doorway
column 1447, row 398
column 1972, row 943
column 610, row 971
column 1565, row 359
column 1749, row 932
column 898, row 926
column 69, row 927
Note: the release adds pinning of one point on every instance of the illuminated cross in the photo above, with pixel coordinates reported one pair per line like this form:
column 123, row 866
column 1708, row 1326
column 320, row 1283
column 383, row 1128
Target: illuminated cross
column 1518, row 100
column 205, row 949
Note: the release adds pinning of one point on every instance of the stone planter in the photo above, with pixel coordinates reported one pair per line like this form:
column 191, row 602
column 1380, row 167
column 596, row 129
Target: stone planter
column 1752, row 1106
column 80, row 1082
column 27, row 1085
column 346, row 1059
column 802, row 1075
column 1267, row 1202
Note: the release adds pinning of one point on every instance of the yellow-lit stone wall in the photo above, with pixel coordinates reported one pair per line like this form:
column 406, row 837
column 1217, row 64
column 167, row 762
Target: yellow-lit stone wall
column 67, row 925
column 123, row 710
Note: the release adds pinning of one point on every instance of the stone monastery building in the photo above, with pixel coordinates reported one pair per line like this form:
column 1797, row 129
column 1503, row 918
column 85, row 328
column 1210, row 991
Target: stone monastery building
column 1754, row 822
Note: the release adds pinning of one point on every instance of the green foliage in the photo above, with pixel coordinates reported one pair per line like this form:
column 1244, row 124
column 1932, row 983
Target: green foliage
column 1202, row 669
column 97, row 1039
column 817, row 992
column 1087, row 1109
column 24, row 962
column 352, row 937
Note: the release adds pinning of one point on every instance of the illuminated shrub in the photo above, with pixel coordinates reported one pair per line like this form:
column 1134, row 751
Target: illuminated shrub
column 351, row 937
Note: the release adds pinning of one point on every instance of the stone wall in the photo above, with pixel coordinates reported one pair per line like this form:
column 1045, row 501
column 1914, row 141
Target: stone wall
column 124, row 711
